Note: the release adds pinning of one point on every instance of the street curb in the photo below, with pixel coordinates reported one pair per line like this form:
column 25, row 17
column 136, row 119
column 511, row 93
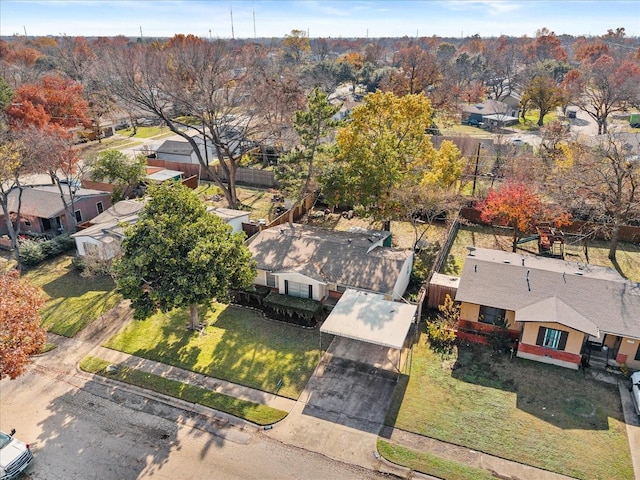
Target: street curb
column 399, row 471
column 224, row 420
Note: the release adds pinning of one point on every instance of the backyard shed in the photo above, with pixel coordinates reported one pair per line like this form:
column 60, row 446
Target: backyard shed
column 439, row 286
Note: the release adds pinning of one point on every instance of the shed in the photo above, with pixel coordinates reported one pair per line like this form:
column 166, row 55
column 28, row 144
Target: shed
column 439, row 286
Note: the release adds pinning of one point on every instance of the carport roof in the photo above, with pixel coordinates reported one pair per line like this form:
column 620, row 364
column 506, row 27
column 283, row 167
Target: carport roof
column 370, row 318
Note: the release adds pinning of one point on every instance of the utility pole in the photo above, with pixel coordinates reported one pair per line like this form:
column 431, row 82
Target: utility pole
column 254, row 23
column 475, row 173
column 233, row 36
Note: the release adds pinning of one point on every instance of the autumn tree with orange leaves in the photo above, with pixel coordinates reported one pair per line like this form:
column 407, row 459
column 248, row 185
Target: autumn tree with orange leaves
column 20, row 331
column 54, row 102
column 520, row 207
column 42, row 116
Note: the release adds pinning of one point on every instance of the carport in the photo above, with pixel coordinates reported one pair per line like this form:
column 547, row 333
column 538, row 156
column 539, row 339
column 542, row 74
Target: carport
column 369, row 317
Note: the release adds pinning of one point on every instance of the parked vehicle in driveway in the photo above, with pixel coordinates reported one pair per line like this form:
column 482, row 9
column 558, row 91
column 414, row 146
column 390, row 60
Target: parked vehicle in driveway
column 634, row 388
column 15, row 456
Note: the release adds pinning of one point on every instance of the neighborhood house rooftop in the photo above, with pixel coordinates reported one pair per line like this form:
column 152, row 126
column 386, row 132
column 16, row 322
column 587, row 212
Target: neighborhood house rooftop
column 588, row 298
column 347, row 258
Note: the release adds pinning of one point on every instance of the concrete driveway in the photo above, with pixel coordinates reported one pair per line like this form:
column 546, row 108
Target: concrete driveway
column 342, row 409
column 353, row 385
column 351, row 394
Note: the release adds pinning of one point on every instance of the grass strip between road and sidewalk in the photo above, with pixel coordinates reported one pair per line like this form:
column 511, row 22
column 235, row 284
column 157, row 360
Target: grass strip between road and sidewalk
column 430, row 464
column 250, row 411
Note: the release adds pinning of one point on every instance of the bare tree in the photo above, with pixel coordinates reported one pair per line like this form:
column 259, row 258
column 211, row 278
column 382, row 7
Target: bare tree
column 602, row 184
column 14, row 165
column 604, row 86
column 192, row 79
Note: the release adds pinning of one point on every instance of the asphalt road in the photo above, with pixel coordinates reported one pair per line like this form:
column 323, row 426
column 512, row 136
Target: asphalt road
column 76, row 434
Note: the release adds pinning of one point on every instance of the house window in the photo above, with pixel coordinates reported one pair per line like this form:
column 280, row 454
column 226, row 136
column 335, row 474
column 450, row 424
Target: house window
column 78, row 216
column 552, row 338
column 27, row 223
column 341, row 288
column 637, row 357
column 271, row 280
column 491, row 315
column 99, row 207
column 296, row 289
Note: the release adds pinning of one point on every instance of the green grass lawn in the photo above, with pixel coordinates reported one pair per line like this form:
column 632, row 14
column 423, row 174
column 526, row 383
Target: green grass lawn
column 541, row 415
column 238, row 345
column 146, row 132
column 530, row 121
column 255, row 200
column 430, row 464
column 73, row 302
column 497, row 238
column 253, row 412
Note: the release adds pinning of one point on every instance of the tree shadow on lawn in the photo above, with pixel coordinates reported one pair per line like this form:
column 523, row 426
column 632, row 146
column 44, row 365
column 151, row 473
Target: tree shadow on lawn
column 238, row 346
column 562, row 397
column 268, row 355
column 71, row 284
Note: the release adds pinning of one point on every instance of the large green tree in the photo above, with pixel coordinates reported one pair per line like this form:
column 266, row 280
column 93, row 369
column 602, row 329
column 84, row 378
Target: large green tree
column 118, row 169
column 295, row 170
column 383, row 151
column 543, row 93
column 179, row 255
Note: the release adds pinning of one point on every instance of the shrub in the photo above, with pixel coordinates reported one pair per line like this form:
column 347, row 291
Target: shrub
column 499, row 339
column 441, row 337
column 92, row 265
column 441, row 331
column 33, row 252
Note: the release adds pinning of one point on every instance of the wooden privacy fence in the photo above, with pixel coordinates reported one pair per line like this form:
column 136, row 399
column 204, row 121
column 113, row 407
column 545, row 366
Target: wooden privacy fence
column 298, row 211
column 246, row 176
column 442, row 255
column 250, row 229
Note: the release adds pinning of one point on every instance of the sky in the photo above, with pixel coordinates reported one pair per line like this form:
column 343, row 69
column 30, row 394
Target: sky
column 319, row 18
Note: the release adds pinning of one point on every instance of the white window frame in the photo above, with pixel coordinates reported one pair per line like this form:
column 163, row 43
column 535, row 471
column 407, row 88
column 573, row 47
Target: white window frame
column 551, row 338
column 297, row 289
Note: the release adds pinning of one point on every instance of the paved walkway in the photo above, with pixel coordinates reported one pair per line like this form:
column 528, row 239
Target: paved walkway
column 196, row 379
column 300, row 428
column 340, row 442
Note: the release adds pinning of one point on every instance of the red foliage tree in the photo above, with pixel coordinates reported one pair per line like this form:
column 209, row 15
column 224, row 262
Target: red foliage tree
column 55, row 103
column 519, row 206
column 20, row 331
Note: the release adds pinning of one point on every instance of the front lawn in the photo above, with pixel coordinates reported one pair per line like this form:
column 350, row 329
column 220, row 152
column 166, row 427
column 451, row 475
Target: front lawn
column 541, row 415
column 238, row 345
column 73, row 301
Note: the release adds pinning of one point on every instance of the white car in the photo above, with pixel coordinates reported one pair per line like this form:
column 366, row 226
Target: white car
column 634, row 388
column 15, row 456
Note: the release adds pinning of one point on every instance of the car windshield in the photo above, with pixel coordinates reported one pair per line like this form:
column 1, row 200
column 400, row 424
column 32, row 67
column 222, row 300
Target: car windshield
column 4, row 440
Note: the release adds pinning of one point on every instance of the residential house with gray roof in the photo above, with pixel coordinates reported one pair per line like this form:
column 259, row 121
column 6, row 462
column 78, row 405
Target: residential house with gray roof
column 43, row 212
column 311, row 262
column 554, row 308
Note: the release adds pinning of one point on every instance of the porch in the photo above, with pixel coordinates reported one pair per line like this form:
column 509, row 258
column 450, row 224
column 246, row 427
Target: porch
column 605, row 355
